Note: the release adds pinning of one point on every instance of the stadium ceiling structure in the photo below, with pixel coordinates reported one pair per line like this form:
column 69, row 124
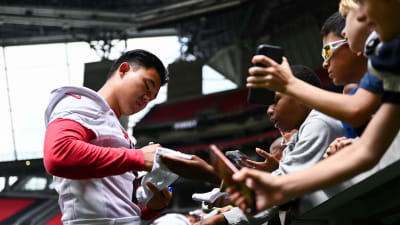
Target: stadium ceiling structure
column 204, row 26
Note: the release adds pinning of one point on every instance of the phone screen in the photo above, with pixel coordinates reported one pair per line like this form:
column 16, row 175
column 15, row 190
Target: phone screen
column 237, row 157
column 262, row 96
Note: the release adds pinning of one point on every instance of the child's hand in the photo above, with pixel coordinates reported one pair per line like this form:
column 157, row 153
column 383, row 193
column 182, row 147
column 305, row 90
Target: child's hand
column 270, row 163
column 195, row 168
column 268, row 190
column 275, row 77
column 337, row 145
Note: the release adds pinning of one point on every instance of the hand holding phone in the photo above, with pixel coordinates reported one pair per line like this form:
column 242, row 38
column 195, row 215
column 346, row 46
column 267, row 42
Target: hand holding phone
column 272, row 51
column 225, row 169
column 262, row 96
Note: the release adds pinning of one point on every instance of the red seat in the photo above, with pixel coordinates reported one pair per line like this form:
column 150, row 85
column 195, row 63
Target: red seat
column 9, row 207
column 181, row 110
column 55, row 220
column 223, row 103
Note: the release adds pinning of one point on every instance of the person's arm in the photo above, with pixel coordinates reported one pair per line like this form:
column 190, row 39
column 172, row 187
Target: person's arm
column 215, row 220
column 354, row 110
column 361, row 156
column 68, row 154
column 195, row 168
column 352, row 160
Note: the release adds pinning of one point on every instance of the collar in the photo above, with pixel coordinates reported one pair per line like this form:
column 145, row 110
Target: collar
column 115, row 112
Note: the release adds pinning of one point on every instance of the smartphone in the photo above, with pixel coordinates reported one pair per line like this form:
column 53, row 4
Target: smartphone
column 238, row 156
column 262, row 96
column 225, row 169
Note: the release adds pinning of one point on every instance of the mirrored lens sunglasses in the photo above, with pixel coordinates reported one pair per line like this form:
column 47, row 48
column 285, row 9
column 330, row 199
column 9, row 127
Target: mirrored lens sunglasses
column 330, row 48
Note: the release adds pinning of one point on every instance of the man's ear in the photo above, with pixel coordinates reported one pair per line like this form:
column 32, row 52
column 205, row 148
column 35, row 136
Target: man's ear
column 123, row 68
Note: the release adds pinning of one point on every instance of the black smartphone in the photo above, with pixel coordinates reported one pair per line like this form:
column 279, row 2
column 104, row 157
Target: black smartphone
column 262, row 96
column 238, row 156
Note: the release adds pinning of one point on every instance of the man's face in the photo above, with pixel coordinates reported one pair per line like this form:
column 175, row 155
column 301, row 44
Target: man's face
column 286, row 113
column 382, row 16
column 356, row 31
column 137, row 88
column 339, row 66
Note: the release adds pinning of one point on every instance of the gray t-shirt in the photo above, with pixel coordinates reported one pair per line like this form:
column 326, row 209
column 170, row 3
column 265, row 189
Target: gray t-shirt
column 305, row 149
column 308, row 145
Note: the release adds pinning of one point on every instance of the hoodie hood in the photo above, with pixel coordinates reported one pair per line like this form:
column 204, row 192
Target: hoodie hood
column 76, row 92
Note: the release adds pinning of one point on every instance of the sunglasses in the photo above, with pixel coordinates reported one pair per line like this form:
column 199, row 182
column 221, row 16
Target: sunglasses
column 330, row 48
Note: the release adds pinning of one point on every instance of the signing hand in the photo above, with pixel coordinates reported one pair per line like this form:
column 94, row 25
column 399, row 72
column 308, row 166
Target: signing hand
column 275, row 77
column 195, row 168
column 148, row 153
column 270, row 164
column 160, row 199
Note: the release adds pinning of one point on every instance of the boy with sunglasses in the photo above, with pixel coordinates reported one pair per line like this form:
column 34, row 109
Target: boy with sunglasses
column 358, row 108
column 375, row 140
column 343, row 65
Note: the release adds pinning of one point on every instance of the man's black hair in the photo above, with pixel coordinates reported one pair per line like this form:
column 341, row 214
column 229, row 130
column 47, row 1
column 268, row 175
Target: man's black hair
column 334, row 24
column 141, row 58
column 306, row 74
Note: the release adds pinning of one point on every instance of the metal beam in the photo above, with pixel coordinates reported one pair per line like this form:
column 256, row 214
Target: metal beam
column 68, row 37
column 64, row 22
column 61, row 25
column 176, row 6
column 68, row 13
column 156, row 19
column 116, row 20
